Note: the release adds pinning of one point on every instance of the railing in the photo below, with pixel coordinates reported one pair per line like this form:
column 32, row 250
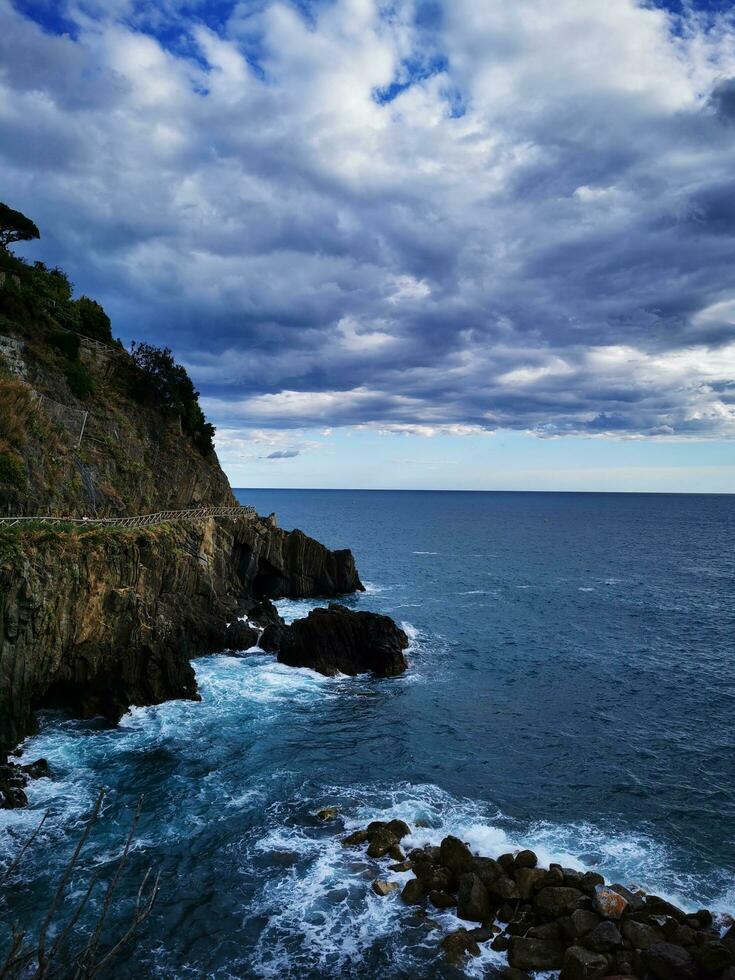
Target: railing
column 144, row 520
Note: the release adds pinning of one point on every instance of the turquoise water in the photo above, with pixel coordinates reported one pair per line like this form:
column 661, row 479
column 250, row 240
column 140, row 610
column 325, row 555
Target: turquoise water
column 570, row 689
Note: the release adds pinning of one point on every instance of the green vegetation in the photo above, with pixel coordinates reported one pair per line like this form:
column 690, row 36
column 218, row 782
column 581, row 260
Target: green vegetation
column 66, row 342
column 161, row 380
column 79, row 380
column 15, row 227
column 12, row 470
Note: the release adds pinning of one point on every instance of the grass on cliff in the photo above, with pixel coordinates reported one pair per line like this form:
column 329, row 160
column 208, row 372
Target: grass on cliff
column 66, row 539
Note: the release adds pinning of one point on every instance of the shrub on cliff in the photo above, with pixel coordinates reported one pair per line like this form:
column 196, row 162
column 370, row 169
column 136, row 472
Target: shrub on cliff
column 93, row 321
column 161, row 381
column 79, row 379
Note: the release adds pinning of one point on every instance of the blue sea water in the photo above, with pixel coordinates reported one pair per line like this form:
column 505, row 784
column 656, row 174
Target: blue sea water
column 570, row 689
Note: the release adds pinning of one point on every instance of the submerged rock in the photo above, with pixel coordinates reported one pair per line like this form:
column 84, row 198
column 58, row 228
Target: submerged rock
column 457, row 945
column 385, row 888
column 338, row 640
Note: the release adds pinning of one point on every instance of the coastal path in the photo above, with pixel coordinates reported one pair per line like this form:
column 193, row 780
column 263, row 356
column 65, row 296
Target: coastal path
column 142, row 520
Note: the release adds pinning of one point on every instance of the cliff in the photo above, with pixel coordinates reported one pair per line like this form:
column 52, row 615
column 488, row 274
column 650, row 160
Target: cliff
column 97, row 619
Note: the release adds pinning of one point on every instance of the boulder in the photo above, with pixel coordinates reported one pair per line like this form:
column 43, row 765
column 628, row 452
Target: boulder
column 401, row 867
column 548, row 930
column 384, row 888
column 381, row 843
column 240, row 636
column 457, row 945
column 666, row 961
column 640, row 935
column 525, row 859
column 529, row 880
column 456, row 855
column 443, row 900
column 473, row 902
column 414, row 892
column 581, row 964
column 338, row 640
column 554, row 902
column 328, row 813
column 39, row 769
column 713, row 957
column 608, row 903
column 535, row 954
column 356, row 838
column 604, row 938
column 503, row 889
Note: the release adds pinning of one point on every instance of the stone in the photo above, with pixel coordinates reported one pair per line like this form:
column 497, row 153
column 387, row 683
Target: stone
column 503, row 889
column 554, row 876
column 507, row 862
column 525, row 859
column 473, row 902
column 581, row 964
column 590, row 881
column 384, row 888
column 535, row 954
column 554, row 902
column 500, row 944
column 583, row 921
column 635, row 899
column 456, row 855
column 669, row 962
column 396, row 853
column 442, row 900
column 338, row 640
column 604, row 938
column 414, row 892
column 529, row 880
column 399, row 828
column 713, row 957
column 487, row 869
column 521, row 923
column 400, row 868
column 640, row 935
column 355, row 839
column 328, row 813
column 548, row 930
column 458, row 945
column 609, row 904
column 381, row 843
column 240, row 636
column 483, row 934
column 37, row 770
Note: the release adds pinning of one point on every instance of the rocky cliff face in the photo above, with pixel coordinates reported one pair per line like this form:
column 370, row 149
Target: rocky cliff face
column 97, row 620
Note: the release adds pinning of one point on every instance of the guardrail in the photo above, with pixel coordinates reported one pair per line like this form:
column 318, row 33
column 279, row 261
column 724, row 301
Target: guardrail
column 143, row 520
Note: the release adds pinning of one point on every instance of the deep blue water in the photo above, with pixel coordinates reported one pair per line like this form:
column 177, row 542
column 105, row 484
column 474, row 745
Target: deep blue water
column 571, row 689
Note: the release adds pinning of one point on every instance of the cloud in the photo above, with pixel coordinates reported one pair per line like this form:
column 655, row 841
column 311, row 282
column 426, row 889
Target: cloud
column 434, row 217
column 284, row 454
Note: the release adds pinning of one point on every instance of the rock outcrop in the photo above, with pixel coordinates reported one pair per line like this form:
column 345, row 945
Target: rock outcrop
column 557, row 918
column 338, row 640
column 97, row 620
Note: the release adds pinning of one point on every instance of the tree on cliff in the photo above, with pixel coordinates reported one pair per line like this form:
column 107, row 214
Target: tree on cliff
column 15, row 227
column 161, row 380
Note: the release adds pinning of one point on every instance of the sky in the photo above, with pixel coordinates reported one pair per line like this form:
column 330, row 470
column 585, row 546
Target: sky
column 462, row 244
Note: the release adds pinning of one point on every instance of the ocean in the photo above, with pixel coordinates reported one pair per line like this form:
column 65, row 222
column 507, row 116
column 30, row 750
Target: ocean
column 570, row 689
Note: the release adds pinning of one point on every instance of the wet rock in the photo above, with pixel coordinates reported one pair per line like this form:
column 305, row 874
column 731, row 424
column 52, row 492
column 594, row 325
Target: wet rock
column 635, row 899
column 473, row 902
column 608, row 903
column 381, row 843
column 384, row 888
column 414, row 892
column 529, row 880
column 456, row 855
column 590, row 881
column 521, row 923
column 604, row 938
column 240, row 636
column 552, row 903
column 713, row 957
column 401, row 867
column 547, row 930
column 487, row 869
column 505, row 913
column 501, row 943
column 535, row 954
column 525, row 859
column 657, row 907
column 355, row 839
column 554, row 876
column 581, row 964
column 483, row 934
column 507, row 862
column 442, row 900
column 458, row 945
column 399, row 828
column 264, row 613
column 503, row 889
column 328, row 813
column 37, row 770
column 396, row 853
column 640, row 935
column 669, row 962
column 338, row 640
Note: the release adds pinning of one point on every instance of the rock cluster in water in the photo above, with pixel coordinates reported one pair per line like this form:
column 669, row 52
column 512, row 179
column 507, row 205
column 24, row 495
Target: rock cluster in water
column 338, row 640
column 551, row 918
column 14, row 778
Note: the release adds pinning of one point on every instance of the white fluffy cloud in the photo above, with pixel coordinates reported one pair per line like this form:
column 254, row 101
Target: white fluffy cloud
column 438, row 216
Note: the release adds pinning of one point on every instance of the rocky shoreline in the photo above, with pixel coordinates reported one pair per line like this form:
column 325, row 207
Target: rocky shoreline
column 547, row 919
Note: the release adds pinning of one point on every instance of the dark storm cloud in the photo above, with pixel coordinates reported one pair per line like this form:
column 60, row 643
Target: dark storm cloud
column 290, row 197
